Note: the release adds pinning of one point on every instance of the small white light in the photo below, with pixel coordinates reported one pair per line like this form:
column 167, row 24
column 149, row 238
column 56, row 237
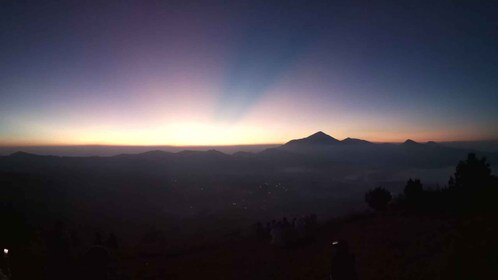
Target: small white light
column 335, row 242
column 6, row 251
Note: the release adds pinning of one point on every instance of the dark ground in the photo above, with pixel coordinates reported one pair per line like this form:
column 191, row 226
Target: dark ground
column 386, row 246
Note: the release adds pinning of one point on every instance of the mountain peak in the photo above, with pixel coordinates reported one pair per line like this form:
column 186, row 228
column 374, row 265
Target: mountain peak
column 319, row 133
column 318, row 138
column 410, row 142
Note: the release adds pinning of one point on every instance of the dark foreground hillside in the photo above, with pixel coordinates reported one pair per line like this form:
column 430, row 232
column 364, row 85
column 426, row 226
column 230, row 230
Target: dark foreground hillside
column 386, row 246
column 423, row 233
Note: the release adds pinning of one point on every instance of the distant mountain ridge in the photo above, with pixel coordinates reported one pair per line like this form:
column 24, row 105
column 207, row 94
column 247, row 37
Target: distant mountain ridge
column 318, row 150
column 322, row 139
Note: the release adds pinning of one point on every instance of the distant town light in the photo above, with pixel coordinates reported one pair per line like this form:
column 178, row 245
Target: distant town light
column 6, row 251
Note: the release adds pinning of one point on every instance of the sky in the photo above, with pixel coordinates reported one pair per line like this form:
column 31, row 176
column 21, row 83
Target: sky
column 233, row 72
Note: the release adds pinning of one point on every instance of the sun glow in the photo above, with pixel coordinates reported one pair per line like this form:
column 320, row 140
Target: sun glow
column 177, row 134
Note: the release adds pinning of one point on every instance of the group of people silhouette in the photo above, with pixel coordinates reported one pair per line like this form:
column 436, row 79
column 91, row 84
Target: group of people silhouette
column 285, row 233
column 66, row 255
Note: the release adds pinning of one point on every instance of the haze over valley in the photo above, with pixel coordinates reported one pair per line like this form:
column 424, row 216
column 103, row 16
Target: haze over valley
column 317, row 174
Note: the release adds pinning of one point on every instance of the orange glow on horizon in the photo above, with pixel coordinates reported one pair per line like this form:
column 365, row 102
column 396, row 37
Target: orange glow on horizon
column 199, row 135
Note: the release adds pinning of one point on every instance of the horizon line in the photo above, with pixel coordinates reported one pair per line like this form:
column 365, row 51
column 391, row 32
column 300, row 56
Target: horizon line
column 225, row 145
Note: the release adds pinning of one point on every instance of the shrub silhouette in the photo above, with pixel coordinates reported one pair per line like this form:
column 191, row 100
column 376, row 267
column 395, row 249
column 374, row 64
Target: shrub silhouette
column 378, row 198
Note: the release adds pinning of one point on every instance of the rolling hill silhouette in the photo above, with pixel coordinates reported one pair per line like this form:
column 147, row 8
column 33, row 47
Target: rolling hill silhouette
column 355, row 141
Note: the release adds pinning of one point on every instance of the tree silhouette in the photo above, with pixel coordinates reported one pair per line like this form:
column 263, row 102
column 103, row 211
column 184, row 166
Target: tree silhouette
column 378, row 198
column 472, row 172
column 413, row 189
column 473, row 188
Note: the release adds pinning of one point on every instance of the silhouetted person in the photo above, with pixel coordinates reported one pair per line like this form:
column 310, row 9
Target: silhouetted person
column 3, row 276
column 286, row 232
column 290, row 233
column 5, row 272
column 98, row 239
column 96, row 263
column 75, row 239
column 59, row 252
column 312, row 225
column 268, row 231
column 112, row 242
column 285, row 222
column 277, row 238
column 343, row 262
